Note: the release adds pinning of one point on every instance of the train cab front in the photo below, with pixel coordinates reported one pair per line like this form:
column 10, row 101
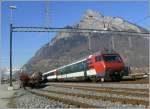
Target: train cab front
column 108, row 66
column 113, row 66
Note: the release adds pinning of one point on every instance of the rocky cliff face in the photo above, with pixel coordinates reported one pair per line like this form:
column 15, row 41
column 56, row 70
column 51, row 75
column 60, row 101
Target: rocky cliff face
column 67, row 47
column 95, row 20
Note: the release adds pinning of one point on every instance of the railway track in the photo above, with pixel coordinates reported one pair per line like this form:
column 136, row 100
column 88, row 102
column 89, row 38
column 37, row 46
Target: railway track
column 104, row 98
column 134, row 80
column 119, row 91
column 66, row 101
column 57, row 92
column 103, row 86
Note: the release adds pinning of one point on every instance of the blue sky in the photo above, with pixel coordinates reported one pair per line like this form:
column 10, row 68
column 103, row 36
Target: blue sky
column 61, row 14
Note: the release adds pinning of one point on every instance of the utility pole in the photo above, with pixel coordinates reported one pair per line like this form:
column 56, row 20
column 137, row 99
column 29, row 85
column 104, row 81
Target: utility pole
column 104, row 22
column 11, row 25
column 113, row 43
column 129, row 37
column 10, row 55
column 130, row 42
column 89, row 39
column 130, row 46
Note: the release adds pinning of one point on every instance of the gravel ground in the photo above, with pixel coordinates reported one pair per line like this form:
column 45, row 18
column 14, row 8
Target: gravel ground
column 117, row 85
column 28, row 100
column 97, row 103
column 77, row 91
column 25, row 99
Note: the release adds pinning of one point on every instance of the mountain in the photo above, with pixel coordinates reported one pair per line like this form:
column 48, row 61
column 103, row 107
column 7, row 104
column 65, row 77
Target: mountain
column 5, row 72
column 67, row 47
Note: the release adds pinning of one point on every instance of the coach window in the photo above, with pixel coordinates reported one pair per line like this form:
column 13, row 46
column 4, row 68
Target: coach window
column 98, row 58
column 80, row 66
column 76, row 67
column 71, row 68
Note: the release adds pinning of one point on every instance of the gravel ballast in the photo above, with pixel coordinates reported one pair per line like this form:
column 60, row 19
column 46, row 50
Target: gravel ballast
column 93, row 93
column 132, row 86
column 98, row 103
column 28, row 100
column 25, row 99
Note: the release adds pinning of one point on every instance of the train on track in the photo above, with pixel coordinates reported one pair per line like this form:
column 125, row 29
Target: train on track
column 95, row 67
column 33, row 80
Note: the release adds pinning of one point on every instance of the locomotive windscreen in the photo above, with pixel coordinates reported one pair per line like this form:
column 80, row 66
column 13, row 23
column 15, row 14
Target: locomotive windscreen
column 110, row 58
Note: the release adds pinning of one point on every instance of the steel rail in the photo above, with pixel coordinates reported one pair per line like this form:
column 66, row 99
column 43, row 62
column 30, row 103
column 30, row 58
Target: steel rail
column 66, row 101
column 105, row 90
column 104, row 98
column 98, row 87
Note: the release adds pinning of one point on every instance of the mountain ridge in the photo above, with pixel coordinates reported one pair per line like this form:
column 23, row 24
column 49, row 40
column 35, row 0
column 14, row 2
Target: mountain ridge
column 71, row 45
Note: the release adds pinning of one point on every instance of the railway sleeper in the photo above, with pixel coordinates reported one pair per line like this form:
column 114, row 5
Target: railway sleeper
column 94, row 87
column 108, row 91
column 66, row 101
column 121, row 100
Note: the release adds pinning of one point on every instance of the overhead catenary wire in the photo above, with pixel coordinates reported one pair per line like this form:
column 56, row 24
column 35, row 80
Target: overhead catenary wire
column 70, row 30
column 141, row 20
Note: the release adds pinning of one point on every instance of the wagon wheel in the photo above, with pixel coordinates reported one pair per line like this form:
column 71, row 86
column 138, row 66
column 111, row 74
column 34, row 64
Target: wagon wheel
column 86, row 79
column 114, row 78
column 108, row 75
column 93, row 79
column 119, row 77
